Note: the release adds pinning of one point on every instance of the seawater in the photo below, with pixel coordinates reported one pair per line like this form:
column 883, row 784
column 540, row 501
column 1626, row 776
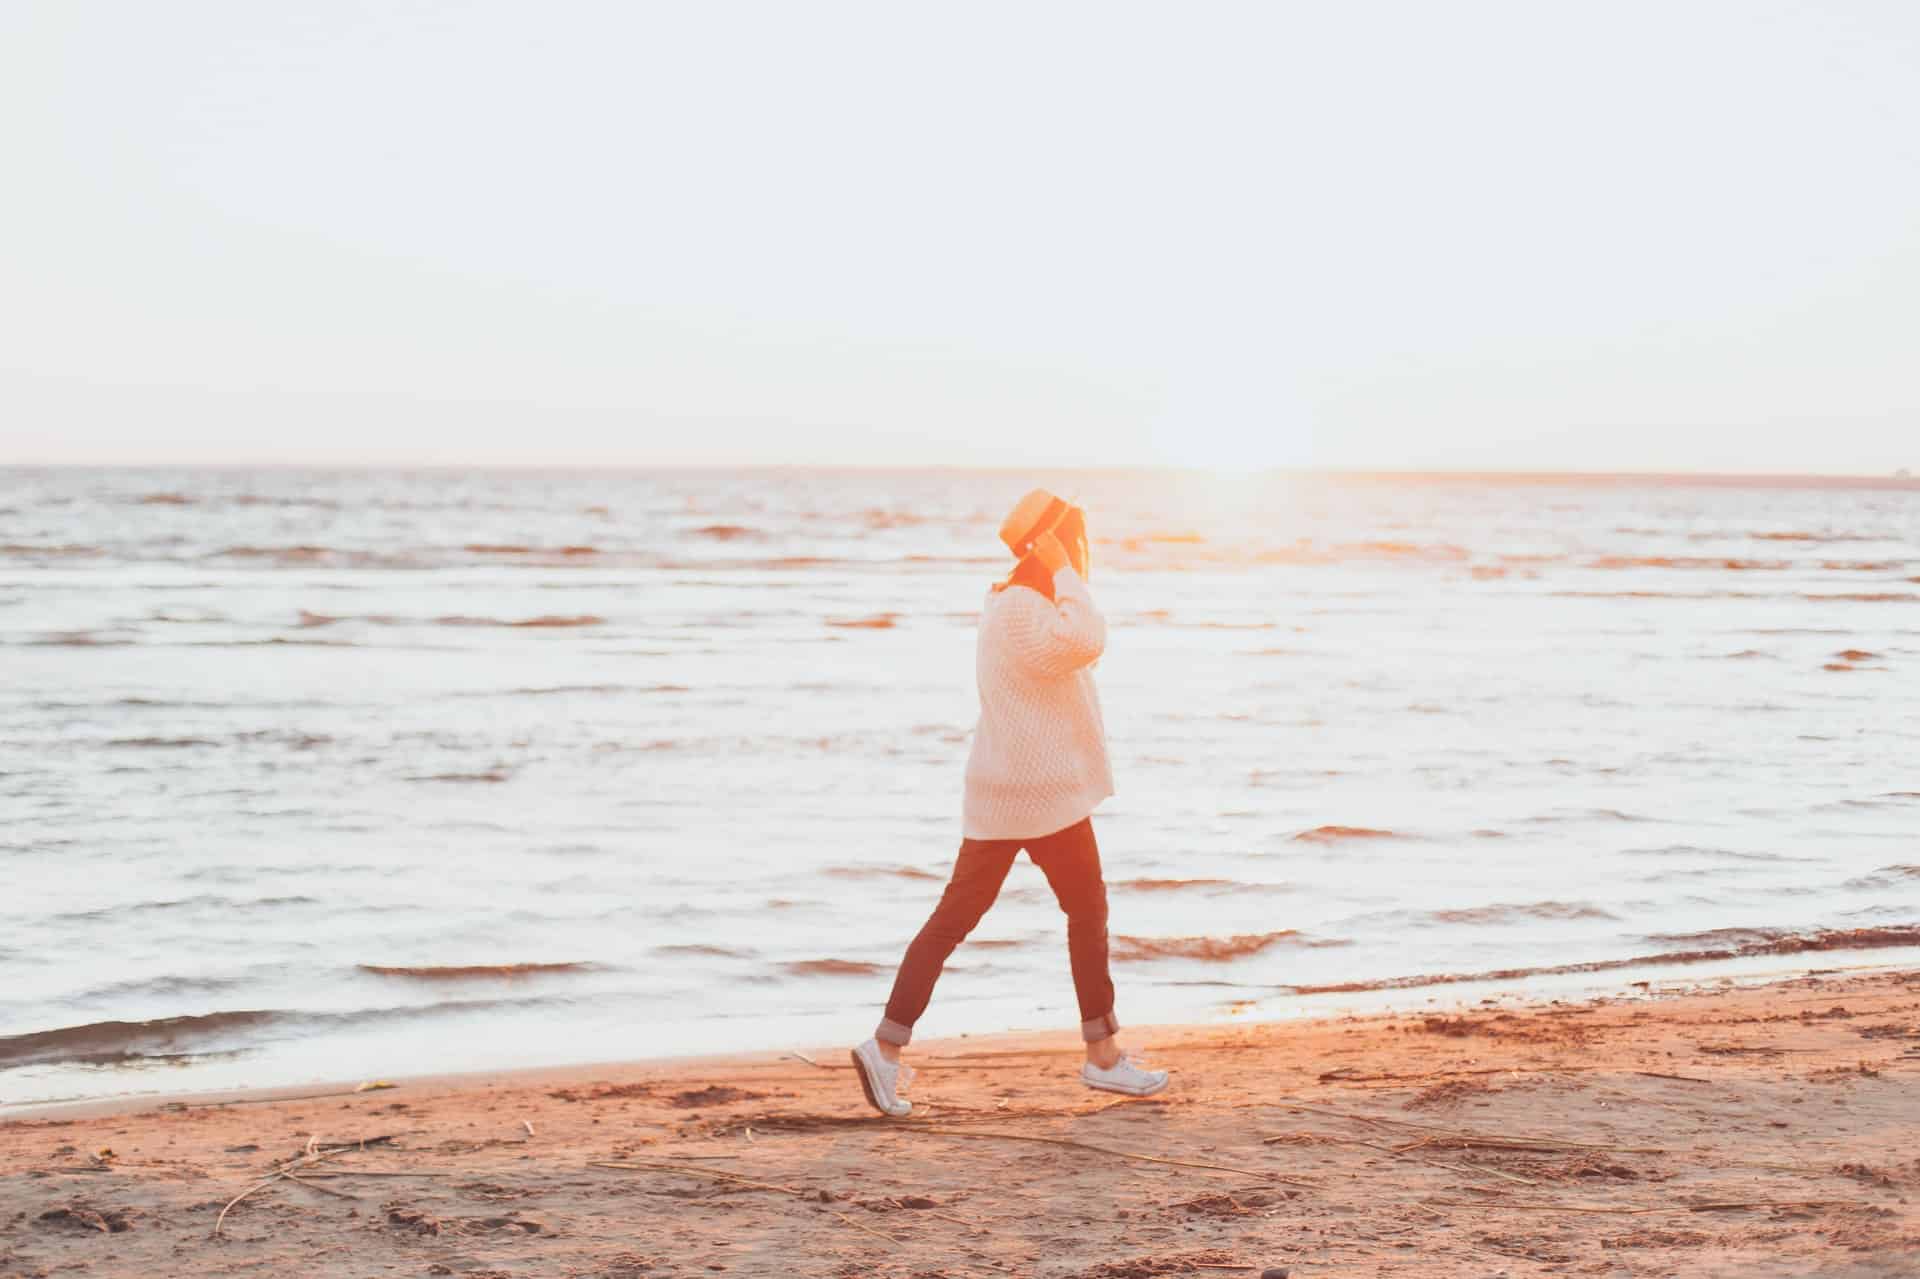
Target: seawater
column 341, row 774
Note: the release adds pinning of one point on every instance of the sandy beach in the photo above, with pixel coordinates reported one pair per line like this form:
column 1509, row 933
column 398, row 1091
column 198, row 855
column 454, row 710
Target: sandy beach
column 1758, row 1130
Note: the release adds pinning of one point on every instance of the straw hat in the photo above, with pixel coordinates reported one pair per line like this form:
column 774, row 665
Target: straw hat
column 1036, row 513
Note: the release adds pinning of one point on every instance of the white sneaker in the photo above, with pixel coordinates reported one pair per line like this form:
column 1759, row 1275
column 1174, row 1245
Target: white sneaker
column 881, row 1079
column 1125, row 1076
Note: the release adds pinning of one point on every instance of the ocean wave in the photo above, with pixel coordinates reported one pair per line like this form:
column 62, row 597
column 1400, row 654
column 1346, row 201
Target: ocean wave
column 286, row 554
column 115, row 1041
column 278, row 641
column 1212, row 949
column 198, row 901
column 78, row 639
column 1166, row 885
column 1508, row 913
column 880, row 872
column 311, row 620
column 259, row 499
column 161, row 743
column 1591, row 815
column 1886, row 877
column 1863, row 597
column 1440, row 551
column 582, row 619
column 833, row 968
column 1797, row 536
column 564, row 552
column 490, row 775
column 1687, row 562
column 171, row 986
column 1226, row 626
column 1663, row 595
column 1334, row 834
column 24, row 550
column 1787, row 944
column 704, row 951
column 878, row 518
column 1720, row 937
column 1724, row 854
column 477, row 972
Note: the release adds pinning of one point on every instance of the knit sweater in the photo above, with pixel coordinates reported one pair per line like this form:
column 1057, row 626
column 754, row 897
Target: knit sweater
column 1039, row 757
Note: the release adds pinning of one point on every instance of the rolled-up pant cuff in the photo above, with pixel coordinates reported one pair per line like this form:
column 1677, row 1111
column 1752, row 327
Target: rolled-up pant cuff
column 1102, row 1027
column 892, row 1032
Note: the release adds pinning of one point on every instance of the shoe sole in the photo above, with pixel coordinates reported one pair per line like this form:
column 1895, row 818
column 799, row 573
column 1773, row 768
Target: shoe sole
column 1128, row 1092
column 866, row 1085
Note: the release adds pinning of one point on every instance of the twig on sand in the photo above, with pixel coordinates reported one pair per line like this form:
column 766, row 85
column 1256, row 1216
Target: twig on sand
column 311, row 1157
column 1103, row 1150
column 865, row 1229
column 818, row 1065
column 637, row 1165
column 325, row 1190
column 359, row 1143
column 1341, row 1077
column 259, row 1185
column 1520, row 1142
column 1403, row 1152
column 315, row 1153
column 1641, row 1212
column 264, row 1101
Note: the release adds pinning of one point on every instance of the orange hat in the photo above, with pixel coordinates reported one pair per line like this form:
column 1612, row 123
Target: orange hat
column 1036, row 513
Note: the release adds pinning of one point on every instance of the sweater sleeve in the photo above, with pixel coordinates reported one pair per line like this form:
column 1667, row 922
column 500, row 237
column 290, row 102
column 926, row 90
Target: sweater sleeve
column 1059, row 638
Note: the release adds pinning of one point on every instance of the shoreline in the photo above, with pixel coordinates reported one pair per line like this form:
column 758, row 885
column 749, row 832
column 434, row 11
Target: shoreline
column 1759, row 1129
column 1404, row 996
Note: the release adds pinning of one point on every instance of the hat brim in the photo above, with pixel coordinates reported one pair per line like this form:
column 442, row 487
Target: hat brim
column 1049, row 519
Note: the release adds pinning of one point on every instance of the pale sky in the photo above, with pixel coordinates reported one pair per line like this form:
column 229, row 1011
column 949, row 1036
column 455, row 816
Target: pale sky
column 1668, row 235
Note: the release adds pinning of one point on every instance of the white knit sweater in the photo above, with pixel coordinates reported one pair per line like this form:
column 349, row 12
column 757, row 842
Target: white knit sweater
column 1039, row 758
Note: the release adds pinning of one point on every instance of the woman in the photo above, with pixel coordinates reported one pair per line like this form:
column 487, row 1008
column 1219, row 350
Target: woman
column 1037, row 770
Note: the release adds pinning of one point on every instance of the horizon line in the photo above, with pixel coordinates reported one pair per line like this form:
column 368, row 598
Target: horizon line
column 1899, row 478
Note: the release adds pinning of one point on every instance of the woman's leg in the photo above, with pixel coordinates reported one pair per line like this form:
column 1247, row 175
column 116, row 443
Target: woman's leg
column 1071, row 861
column 978, row 872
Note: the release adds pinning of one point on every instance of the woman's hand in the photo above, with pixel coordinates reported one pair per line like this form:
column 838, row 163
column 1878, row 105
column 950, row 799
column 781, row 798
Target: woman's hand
column 1071, row 533
column 1072, row 526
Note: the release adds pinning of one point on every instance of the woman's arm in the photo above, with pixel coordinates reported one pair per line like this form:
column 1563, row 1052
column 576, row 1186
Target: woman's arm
column 1061, row 637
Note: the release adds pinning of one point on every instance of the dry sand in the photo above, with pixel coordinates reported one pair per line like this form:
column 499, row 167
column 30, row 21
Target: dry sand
column 1737, row 1131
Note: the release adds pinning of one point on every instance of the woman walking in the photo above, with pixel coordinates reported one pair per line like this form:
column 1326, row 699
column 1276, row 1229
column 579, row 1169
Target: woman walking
column 1037, row 770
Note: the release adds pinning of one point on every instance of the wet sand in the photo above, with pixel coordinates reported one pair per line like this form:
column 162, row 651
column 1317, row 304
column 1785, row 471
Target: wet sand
column 1771, row 1130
